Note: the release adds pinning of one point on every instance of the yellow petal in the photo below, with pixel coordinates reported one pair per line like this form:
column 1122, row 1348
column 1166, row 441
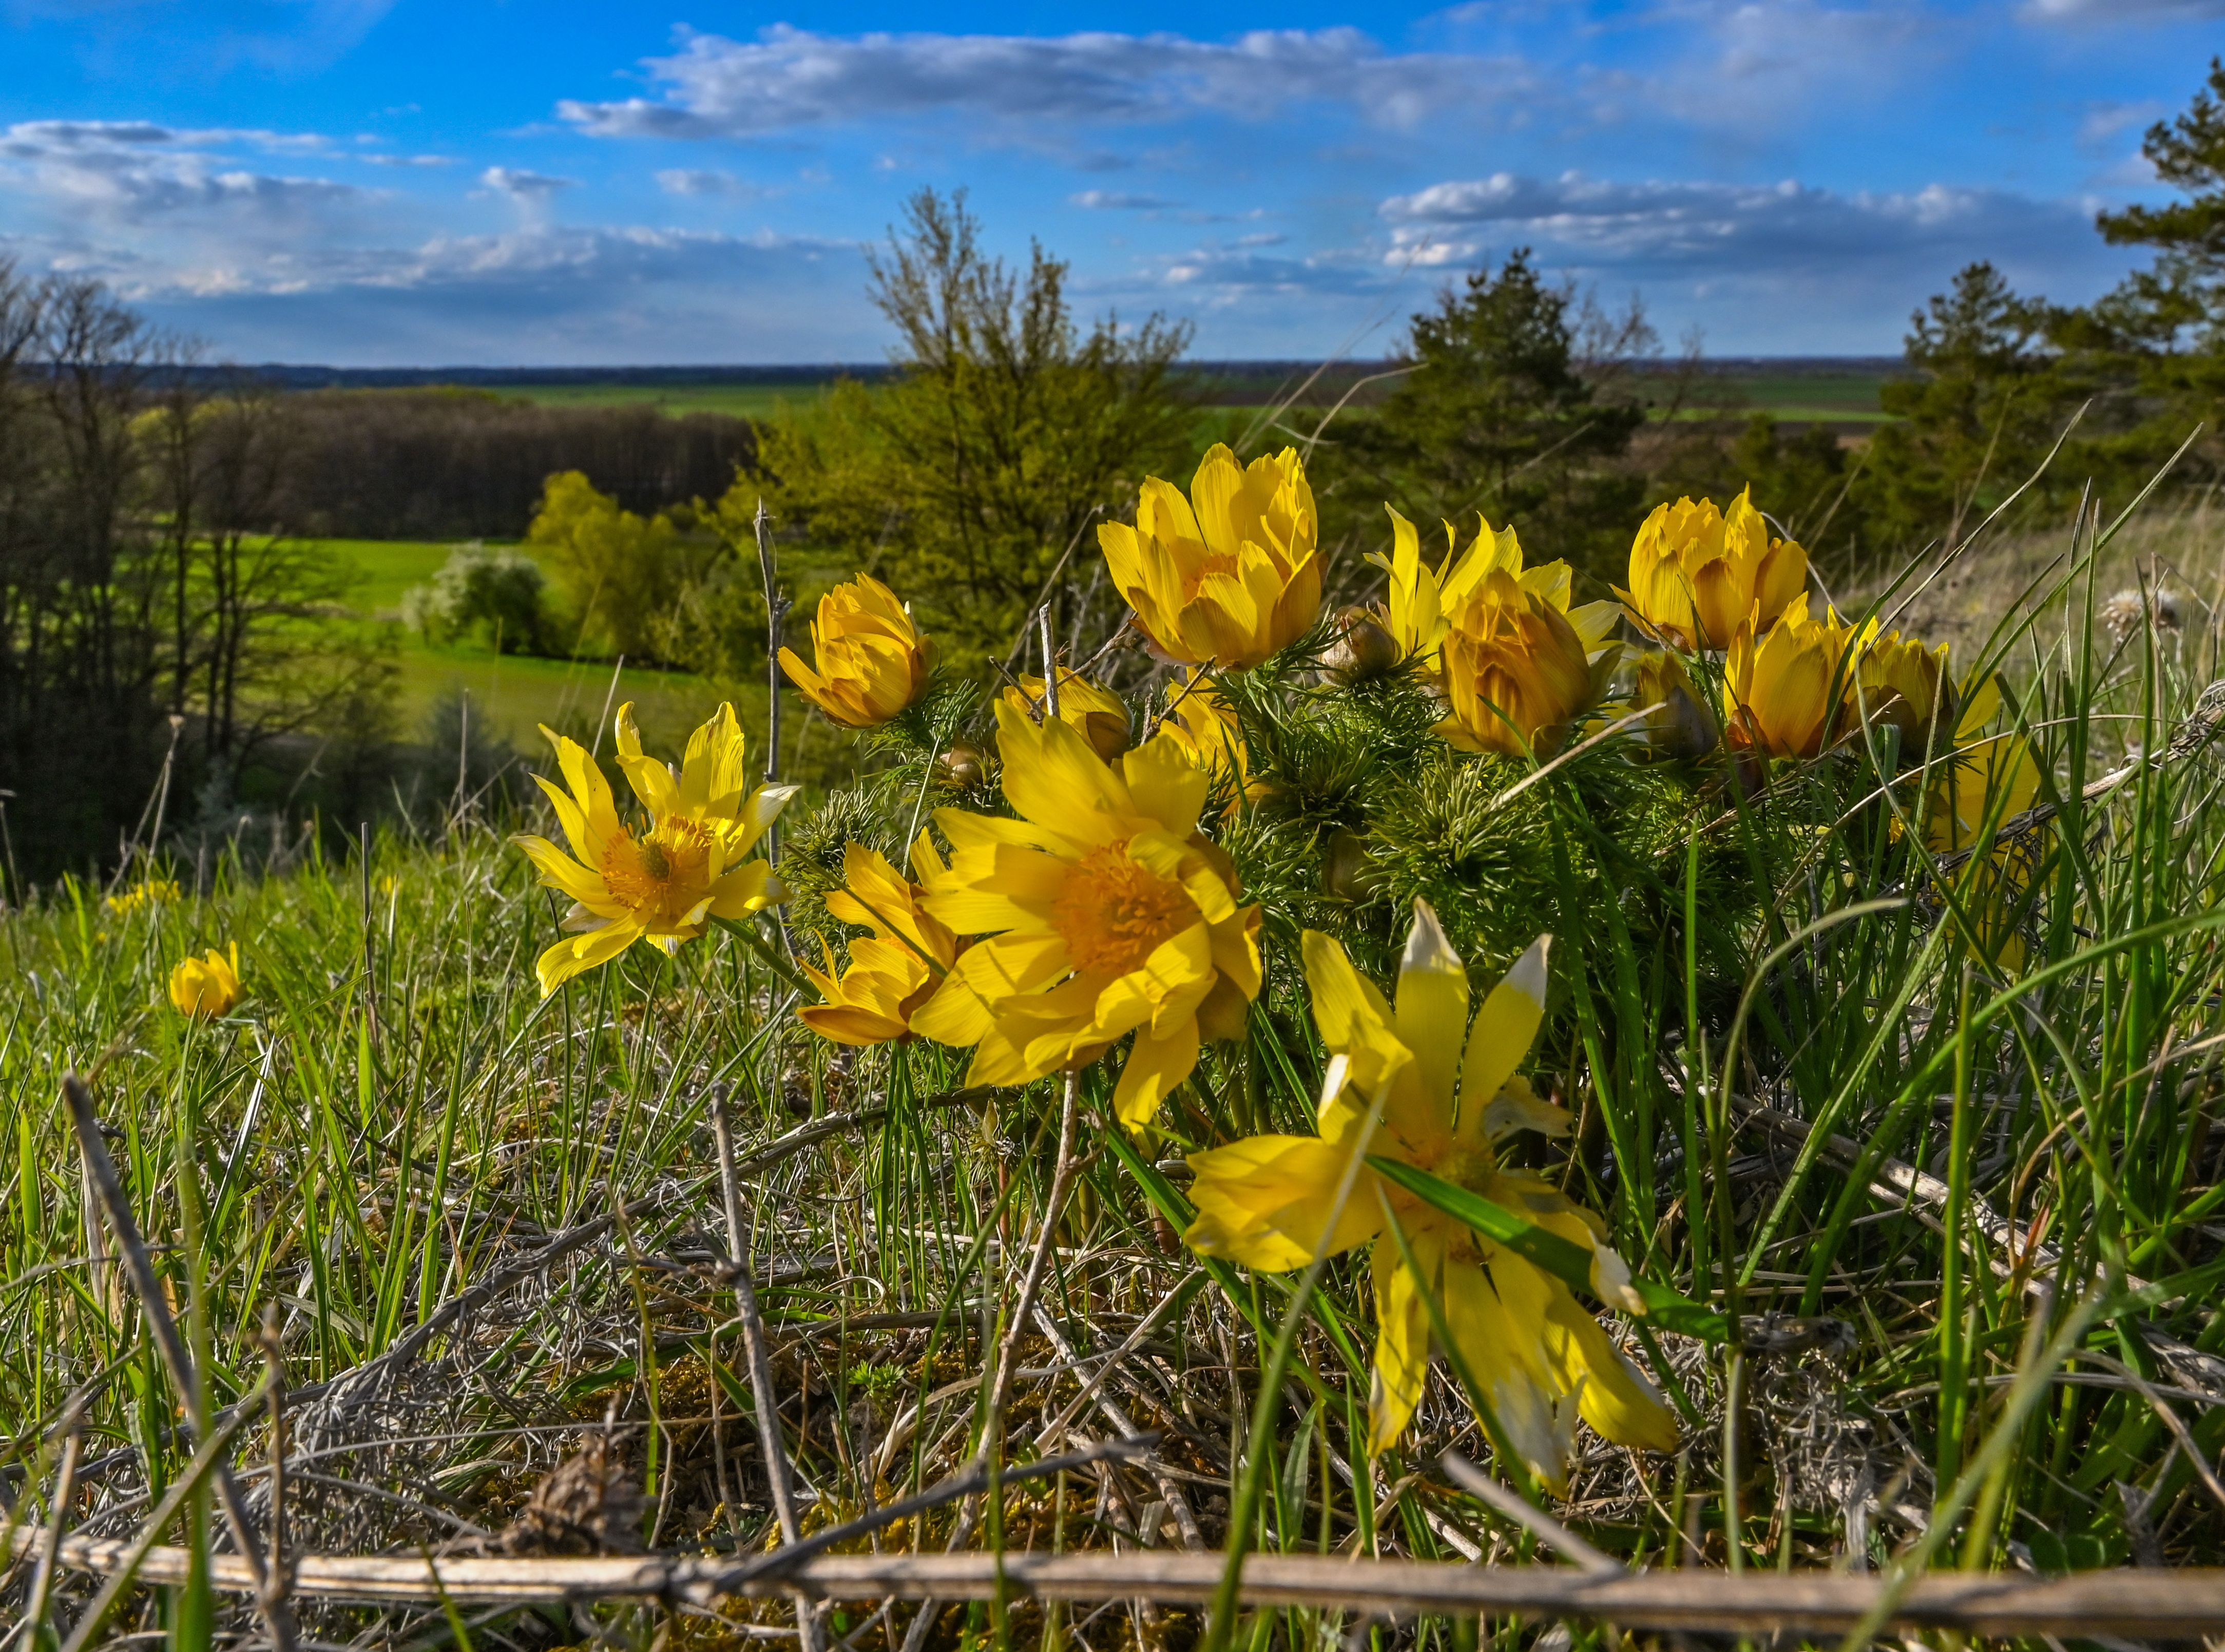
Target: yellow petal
column 1165, row 785
column 1402, row 1338
column 1507, row 1357
column 577, row 955
column 1053, row 778
column 1156, row 1065
column 1432, row 1009
column 1264, row 1201
column 1504, row 1030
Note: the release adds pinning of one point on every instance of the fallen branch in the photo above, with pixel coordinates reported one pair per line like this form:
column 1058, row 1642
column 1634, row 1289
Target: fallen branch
column 2161, row 1604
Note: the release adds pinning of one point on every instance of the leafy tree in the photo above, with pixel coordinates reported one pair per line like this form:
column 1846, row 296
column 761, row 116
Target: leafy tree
column 2159, row 338
column 628, row 578
column 1983, row 404
column 1499, row 416
column 1007, row 431
column 2188, row 283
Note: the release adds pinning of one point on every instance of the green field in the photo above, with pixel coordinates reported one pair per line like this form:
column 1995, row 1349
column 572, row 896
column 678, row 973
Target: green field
column 743, row 401
column 1822, row 393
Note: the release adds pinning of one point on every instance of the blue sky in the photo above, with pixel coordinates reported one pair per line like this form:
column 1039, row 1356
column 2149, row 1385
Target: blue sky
column 538, row 182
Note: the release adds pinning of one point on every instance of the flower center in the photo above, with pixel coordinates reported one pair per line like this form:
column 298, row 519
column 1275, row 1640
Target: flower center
column 1472, row 1167
column 661, row 876
column 1114, row 912
column 1209, row 564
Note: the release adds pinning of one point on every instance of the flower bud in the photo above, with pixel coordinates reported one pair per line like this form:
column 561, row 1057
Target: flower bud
column 1363, row 651
column 1681, row 727
column 963, row 767
column 1348, row 871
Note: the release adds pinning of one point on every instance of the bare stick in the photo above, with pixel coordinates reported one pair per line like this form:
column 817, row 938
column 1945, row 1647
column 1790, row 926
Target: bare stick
column 163, row 1330
column 2179, row 1603
column 776, row 612
column 1515, row 1507
column 274, row 1357
column 755, row 1353
column 1008, row 1357
column 1051, row 661
column 71, row 1429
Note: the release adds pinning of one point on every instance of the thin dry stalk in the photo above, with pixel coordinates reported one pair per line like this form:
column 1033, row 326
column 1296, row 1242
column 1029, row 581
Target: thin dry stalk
column 756, row 1352
column 163, row 1330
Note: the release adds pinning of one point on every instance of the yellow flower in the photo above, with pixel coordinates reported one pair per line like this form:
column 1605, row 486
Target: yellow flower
column 1996, row 778
column 666, row 883
column 1448, row 1093
column 149, row 892
column 1905, row 684
column 872, row 660
column 1100, row 714
column 1782, row 695
column 1230, row 581
column 897, row 969
column 1698, row 575
column 1201, row 725
column 1518, row 670
column 1985, row 784
column 204, row 988
column 1420, row 601
column 1684, row 727
column 1108, row 914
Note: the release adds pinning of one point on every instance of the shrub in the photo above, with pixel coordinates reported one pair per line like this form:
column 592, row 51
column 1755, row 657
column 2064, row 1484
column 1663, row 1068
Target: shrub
column 478, row 592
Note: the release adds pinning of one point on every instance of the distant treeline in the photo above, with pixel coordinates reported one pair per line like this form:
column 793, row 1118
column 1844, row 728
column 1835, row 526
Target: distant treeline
column 448, row 464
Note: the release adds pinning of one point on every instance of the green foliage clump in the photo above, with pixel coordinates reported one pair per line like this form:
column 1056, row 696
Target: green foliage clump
column 1499, row 415
column 496, row 595
column 1006, row 432
column 627, row 578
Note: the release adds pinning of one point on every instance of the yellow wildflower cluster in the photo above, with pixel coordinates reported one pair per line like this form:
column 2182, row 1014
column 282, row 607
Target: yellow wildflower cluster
column 1097, row 916
column 146, row 894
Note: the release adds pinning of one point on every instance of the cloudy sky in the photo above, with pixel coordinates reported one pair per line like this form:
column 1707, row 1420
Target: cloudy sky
column 551, row 182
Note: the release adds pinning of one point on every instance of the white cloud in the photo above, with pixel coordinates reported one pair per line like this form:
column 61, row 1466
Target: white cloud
column 1756, row 68
column 708, row 180
column 521, row 185
column 1734, row 228
column 536, row 295
column 2105, row 122
column 2117, row 11
column 132, row 172
column 789, row 77
column 1797, row 265
column 1114, row 200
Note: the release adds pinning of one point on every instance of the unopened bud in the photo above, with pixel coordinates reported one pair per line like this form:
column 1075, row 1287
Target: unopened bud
column 1681, row 727
column 1363, row 649
column 1348, row 871
column 963, row 767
